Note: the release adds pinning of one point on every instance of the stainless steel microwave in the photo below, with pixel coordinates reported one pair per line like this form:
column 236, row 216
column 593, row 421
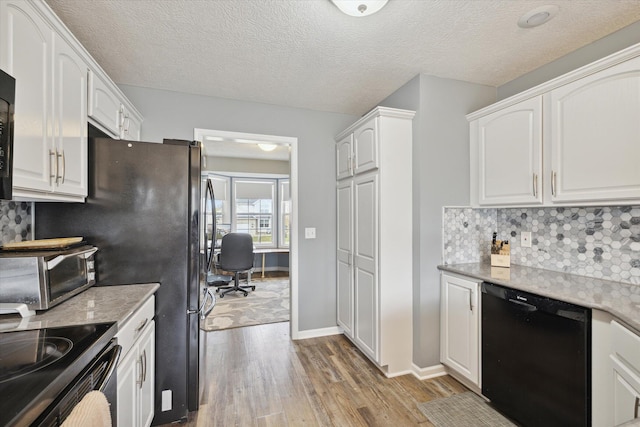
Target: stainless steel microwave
column 43, row 279
column 7, row 100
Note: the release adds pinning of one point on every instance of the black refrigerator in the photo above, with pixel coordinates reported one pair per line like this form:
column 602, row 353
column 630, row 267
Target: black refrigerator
column 143, row 214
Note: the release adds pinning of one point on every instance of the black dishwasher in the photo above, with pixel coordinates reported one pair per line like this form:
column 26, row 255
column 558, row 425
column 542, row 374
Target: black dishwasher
column 536, row 357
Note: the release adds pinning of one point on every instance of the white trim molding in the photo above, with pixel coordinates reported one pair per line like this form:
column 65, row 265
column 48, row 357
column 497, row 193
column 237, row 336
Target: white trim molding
column 428, row 372
column 317, row 333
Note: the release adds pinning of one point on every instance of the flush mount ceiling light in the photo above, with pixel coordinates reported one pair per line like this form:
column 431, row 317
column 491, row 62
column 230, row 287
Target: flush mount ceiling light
column 267, row 147
column 537, row 16
column 359, row 7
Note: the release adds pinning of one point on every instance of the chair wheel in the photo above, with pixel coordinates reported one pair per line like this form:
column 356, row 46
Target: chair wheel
column 253, row 288
column 245, row 294
column 221, row 295
column 217, row 290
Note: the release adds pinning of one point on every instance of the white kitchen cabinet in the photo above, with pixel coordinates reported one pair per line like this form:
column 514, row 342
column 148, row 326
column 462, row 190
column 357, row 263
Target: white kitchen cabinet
column 136, row 369
column 509, row 144
column 357, row 152
column 344, row 256
column 460, row 327
column 593, row 136
column 625, row 364
column 579, row 148
column 374, row 235
column 109, row 110
column 50, row 136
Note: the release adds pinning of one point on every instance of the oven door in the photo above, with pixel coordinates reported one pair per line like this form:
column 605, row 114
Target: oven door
column 69, row 274
column 99, row 375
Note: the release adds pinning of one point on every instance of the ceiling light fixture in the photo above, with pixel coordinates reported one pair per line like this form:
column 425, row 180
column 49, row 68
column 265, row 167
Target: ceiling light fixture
column 537, row 16
column 359, row 7
column 267, row 147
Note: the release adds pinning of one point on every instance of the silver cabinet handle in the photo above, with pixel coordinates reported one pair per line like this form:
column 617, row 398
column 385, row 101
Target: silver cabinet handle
column 141, row 325
column 635, row 407
column 553, row 183
column 144, row 366
column 139, row 380
column 54, row 175
column 64, row 168
column 535, row 185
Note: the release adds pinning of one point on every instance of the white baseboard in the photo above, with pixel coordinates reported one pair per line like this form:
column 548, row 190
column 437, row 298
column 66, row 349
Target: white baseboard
column 316, row 333
column 429, row 372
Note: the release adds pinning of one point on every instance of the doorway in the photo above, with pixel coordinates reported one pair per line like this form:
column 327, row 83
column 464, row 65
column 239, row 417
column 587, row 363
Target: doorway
column 246, row 147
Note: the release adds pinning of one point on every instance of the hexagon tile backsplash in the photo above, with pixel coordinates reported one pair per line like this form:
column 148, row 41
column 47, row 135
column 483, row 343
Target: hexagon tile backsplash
column 15, row 221
column 600, row 242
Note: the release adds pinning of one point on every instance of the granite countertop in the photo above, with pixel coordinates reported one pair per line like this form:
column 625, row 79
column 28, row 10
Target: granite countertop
column 98, row 304
column 621, row 300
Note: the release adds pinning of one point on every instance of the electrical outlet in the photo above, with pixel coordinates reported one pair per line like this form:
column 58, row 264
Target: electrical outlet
column 525, row 239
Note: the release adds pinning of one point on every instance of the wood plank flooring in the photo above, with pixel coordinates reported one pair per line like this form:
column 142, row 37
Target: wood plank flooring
column 258, row 376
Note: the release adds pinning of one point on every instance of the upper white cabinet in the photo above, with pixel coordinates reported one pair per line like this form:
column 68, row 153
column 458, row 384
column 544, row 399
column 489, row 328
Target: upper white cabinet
column 374, row 237
column 50, row 137
column 110, row 110
column 58, row 85
column 460, row 327
column 570, row 141
column 509, row 144
column 357, row 152
column 594, row 136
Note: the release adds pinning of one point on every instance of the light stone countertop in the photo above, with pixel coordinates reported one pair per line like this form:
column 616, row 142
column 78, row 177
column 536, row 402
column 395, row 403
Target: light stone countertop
column 621, row 300
column 98, row 304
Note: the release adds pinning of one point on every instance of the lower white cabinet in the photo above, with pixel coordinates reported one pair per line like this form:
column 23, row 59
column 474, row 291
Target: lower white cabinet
column 625, row 364
column 460, row 327
column 136, row 369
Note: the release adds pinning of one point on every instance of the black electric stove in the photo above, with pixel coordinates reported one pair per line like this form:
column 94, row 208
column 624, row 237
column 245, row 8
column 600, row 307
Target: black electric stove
column 36, row 366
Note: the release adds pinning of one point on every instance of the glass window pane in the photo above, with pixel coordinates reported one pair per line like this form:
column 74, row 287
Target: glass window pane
column 285, row 213
column 254, row 205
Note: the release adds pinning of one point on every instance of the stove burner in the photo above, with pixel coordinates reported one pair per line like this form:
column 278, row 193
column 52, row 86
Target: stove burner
column 24, row 356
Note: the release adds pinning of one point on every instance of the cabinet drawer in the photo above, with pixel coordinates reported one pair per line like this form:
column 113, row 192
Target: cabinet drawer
column 626, row 344
column 133, row 328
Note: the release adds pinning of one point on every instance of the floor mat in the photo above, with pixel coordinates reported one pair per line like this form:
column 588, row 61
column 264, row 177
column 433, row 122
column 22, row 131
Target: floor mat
column 269, row 303
column 463, row 410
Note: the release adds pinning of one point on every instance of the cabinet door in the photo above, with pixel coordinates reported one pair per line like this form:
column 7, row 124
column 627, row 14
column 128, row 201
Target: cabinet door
column 343, row 157
column 70, row 120
column 510, row 155
column 344, row 198
column 626, row 393
column 104, row 104
column 25, row 53
column 460, row 326
column 147, row 360
column 128, row 376
column 593, row 133
column 131, row 127
column 365, row 147
column 365, row 260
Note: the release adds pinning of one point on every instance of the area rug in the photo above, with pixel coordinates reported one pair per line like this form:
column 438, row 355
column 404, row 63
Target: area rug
column 462, row 410
column 269, row 303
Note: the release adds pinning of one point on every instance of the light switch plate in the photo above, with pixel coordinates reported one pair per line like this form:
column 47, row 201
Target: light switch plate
column 525, row 239
column 310, row 233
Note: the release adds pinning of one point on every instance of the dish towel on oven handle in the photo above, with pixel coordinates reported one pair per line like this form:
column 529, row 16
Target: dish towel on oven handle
column 91, row 411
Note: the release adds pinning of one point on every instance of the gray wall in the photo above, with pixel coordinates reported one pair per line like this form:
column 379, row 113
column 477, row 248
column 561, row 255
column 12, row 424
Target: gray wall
column 612, row 43
column 175, row 115
column 234, row 164
column 441, row 178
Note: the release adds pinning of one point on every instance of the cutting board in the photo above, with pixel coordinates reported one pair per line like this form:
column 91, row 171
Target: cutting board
column 59, row 243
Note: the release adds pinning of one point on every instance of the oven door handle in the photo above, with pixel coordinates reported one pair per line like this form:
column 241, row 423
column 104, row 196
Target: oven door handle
column 111, row 367
column 57, row 260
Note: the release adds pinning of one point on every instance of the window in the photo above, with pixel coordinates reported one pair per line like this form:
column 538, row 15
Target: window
column 285, row 212
column 254, row 202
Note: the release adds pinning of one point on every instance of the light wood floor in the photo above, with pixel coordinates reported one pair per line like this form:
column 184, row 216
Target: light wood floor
column 258, row 376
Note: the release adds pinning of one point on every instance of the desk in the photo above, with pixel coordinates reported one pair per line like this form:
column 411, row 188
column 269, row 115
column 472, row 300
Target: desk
column 265, row 251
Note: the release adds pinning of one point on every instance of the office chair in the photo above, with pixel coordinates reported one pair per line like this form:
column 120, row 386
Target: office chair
column 236, row 256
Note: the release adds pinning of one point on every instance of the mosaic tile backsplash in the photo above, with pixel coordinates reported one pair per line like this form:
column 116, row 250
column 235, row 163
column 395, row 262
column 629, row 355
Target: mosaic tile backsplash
column 599, row 242
column 15, row 221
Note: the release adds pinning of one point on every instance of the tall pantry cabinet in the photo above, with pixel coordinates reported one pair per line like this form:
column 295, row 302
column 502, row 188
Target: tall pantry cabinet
column 374, row 237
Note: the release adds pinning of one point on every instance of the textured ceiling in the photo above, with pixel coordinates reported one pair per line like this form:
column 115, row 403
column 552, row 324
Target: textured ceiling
column 306, row 53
